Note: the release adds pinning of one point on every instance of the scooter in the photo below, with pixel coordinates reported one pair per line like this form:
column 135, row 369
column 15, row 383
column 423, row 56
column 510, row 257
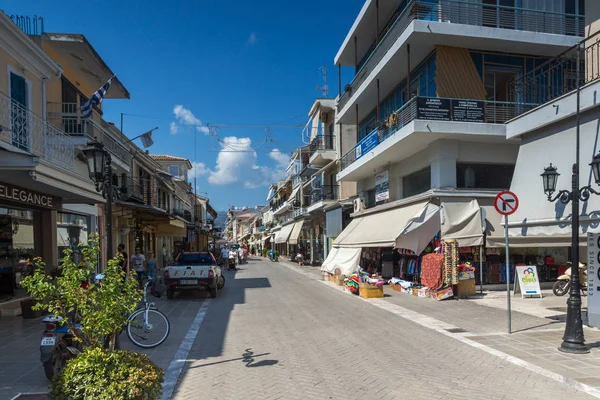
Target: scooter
column 231, row 262
column 563, row 284
column 273, row 256
column 57, row 346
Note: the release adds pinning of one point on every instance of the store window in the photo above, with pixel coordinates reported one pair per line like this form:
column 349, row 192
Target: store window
column 16, row 251
column 417, row 182
column 71, row 231
column 483, row 176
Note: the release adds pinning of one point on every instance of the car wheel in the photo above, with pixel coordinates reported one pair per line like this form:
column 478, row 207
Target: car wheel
column 170, row 293
column 221, row 282
column 212, row 292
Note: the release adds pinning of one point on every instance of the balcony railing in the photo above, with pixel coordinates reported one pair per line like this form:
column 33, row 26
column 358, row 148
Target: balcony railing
column 467, row 13
column 23, row 129
column 183, row 213
column 296, row 180
column 143, row 191
column 433, row 108
column 557, row 76
column 298, row 212
column 321, row 143
column 67, row 116
column 325, row 192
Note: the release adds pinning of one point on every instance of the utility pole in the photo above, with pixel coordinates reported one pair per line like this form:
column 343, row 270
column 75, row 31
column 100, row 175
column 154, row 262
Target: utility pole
column 323, row 89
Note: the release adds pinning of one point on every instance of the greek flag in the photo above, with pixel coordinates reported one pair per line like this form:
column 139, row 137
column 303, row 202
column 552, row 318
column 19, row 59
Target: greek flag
column 87, row 107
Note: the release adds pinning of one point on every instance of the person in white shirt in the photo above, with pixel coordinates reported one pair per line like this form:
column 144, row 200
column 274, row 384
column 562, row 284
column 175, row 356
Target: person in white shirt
column 138, row 264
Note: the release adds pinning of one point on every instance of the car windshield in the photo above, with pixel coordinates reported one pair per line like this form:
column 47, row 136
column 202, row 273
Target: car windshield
column 195, row 259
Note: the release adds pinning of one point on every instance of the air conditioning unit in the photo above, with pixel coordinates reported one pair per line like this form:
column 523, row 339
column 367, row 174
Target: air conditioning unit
column 359, row 205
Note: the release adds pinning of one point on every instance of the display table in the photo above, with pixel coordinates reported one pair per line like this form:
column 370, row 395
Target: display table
column 466, row 287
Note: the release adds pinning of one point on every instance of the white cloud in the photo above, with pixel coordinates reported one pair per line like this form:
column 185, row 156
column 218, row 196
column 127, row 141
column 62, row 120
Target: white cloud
column 237, row 162
column 184, row 116
column 198, row 169
column 281, row 158
column 252, row 39
column 173, row 128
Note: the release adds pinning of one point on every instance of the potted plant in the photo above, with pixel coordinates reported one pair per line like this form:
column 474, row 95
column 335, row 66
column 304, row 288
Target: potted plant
column 99, row 371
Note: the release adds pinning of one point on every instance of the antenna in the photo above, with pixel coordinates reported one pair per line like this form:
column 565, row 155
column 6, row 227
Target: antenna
column 323, row 89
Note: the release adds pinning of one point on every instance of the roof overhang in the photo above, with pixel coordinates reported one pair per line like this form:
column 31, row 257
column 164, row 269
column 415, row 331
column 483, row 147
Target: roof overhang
column 79, row 53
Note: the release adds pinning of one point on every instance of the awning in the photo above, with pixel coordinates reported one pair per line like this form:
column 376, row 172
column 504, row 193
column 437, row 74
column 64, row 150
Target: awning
column 283, row 235
column 174, row 227
column 420, row 229
column 293, row 194
column 270, row 195
column 296, row 232
column 344, row 258
column 379, row 229
column 461, row 221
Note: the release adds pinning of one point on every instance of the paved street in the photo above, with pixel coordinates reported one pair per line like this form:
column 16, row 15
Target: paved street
column 276, row 333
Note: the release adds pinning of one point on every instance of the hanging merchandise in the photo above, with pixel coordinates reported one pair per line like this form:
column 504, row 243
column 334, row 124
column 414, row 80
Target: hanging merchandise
column 432, row 274
column 450, row 262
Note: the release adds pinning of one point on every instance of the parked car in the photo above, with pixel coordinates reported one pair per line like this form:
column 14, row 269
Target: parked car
column 193, row 271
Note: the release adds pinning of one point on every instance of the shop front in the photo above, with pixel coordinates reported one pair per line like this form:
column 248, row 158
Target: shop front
column 433, row 246
column 28, row 229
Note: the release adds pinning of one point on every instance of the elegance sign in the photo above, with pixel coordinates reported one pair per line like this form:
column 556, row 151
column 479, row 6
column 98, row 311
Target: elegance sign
column 27, row 197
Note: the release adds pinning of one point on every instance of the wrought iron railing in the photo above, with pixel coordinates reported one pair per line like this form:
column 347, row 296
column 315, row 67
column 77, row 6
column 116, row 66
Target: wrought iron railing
column 557, row 76
column 325, row 192
column 321, row 143
column 467, row 13
column 432, row 108
column 144, row 191
column 67, row 116
column 23, row 129
column 183, row 213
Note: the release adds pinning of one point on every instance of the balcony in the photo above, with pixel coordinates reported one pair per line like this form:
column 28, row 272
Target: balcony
column 444, row 13
column 433, row 110
column 298, row 179
column 322, row 150
column 26, row 131
column 141, row 191
column 322, row 196
column 298, row 212
column 67, row 117
column 183, row 213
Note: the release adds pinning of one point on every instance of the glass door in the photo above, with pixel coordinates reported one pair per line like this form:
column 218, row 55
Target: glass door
column 19, row 112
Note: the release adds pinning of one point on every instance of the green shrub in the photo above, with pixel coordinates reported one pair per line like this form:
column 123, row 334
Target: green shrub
column 276, row 253
column 108, row 375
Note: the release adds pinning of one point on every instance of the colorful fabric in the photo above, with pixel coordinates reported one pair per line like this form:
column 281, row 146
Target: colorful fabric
column 432, row 274
column 352, row 283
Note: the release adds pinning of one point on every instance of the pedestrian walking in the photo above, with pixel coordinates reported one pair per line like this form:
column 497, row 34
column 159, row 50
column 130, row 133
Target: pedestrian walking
column 125, row 261
column 151, row 264
column 138, row 263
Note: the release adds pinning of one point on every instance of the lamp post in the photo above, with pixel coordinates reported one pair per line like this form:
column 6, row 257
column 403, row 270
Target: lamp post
column 100, row 170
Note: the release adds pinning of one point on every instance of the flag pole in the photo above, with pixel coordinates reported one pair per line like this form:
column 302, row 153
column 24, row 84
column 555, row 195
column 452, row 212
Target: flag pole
column 137, row 137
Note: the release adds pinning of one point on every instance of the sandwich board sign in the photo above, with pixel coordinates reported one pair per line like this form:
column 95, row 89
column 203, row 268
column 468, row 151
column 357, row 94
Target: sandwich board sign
column 529, row 281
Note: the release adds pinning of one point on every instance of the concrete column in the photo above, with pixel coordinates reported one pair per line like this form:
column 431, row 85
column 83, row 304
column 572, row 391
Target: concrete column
column 49, row 244
column 443, row 156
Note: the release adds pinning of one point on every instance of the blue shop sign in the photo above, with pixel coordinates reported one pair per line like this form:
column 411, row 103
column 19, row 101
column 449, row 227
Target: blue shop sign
column 367, row 144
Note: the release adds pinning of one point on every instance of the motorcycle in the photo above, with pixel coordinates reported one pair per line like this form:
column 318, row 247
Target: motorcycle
column 231, row 262
column 57, row 346
column 273, row 256
column 563, row 284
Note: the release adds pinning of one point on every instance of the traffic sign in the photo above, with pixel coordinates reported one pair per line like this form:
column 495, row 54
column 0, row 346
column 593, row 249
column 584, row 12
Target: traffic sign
column 506, row 203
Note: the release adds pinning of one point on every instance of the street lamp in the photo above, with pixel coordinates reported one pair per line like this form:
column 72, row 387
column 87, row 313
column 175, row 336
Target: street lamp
column 100, row 170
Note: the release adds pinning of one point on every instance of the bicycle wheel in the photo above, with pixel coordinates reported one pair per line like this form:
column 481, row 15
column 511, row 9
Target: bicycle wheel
column 148, row 333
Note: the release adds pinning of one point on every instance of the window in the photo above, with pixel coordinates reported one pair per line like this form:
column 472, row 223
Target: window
column 195, row 259
column 483, row 176
column 174, row 170
column 417, row 182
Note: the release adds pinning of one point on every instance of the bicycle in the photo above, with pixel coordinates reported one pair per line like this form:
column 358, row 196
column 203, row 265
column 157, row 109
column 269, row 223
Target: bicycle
column 142, row 324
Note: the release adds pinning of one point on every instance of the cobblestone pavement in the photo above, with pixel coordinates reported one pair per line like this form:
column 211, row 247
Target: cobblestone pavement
column 276, row 333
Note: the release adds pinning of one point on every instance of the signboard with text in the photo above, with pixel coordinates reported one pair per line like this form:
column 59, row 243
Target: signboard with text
column 468, row 111
column 367, row 144
column 433, row 108
column 529, row 281
column 593, row 277
column 27, row 198
column 382, row 186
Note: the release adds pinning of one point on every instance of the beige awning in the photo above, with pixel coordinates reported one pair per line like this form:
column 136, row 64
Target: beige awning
column 461, row 221
column 345, row 259
column 174, row 227
column 378, row 229
column 296, row 232
column 283, row 235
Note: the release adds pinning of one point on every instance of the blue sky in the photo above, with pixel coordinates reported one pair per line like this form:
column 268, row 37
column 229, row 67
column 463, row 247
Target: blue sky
column 234, row 63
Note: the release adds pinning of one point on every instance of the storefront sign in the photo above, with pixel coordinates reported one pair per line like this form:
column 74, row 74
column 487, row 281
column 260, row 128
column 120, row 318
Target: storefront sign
column 468, row 111
column 433, row 108
column 529, row 282
column 382, row 186
column 593, row 299
column 367, row 144
column 26, row 197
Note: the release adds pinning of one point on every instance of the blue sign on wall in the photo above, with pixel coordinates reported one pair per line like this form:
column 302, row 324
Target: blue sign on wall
column 367, row 144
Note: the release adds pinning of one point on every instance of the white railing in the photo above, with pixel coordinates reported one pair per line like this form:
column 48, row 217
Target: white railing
column 67, row 116
column 23, row 129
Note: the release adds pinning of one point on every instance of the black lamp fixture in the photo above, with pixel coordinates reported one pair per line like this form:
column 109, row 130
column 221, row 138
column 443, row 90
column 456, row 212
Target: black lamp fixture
column 99, row 164
column 573, row 339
